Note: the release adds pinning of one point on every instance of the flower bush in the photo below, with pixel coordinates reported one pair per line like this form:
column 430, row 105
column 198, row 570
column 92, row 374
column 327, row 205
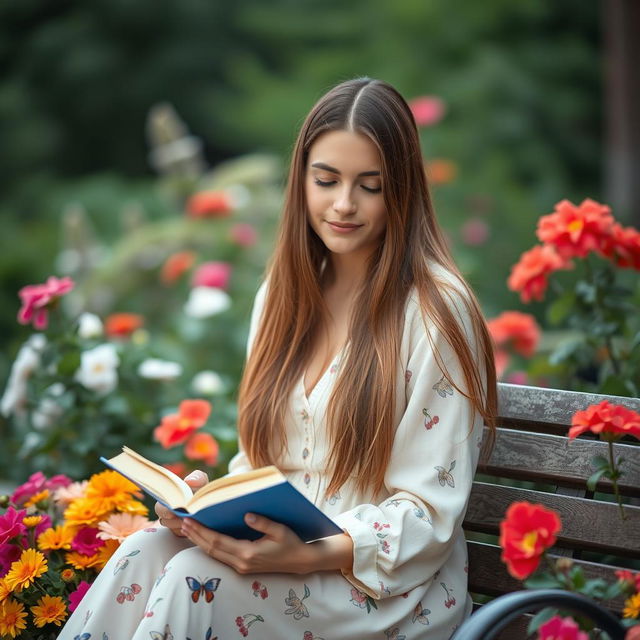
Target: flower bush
column 526, row 533
column 55, row 537
column 600, row 306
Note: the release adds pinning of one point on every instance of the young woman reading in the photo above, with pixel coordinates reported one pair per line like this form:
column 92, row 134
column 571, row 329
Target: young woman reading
column 369, row 378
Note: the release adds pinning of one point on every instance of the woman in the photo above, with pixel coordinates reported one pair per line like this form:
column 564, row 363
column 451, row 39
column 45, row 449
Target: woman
column 369, row 377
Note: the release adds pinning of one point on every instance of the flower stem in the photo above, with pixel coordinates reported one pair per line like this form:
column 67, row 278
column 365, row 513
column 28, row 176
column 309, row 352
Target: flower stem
column 615, row 473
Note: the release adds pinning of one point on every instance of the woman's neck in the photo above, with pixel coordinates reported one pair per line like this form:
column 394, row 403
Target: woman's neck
column 347, row 273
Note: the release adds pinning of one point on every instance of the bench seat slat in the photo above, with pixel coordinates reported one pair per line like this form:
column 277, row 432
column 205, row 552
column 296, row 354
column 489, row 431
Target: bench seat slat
column 557, row 460
column 586, row 523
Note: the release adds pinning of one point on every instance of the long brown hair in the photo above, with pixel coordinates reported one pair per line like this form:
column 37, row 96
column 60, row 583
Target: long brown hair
column 360, row 415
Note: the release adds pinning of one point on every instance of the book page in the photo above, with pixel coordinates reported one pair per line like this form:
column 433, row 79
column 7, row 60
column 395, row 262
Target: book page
column 155, row 478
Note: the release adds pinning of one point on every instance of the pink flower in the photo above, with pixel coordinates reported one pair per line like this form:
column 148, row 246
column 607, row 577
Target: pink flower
column 358, row 598
column 244, row 234
column 76, row 597
column 427, row 110
column 212, row 274
column 64, row 496
column 35, row 484
column 86, row 541
column 9, row 553
column 37, row 298
column 474, row 232
column 120, row 525
column 561, row 629
column 43, row 525
column 55, row 482
column 11, row 524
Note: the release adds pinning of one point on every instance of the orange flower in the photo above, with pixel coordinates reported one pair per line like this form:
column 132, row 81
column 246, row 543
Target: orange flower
column 111, row 491
column 576, row 231
column 12, row 618
column 80, row 561
column 441, row 171
column 175, row 265
column 527, row 531
column 632, row 607
column 59, row 537
column 37, row 497
column 122, row 325
column 515, row 329
column 67, row 574
column 177, row 427
column 31, row 565
column 623, row 247
column 84, row 512
column 105, row 553
column 5, row 592
column 202, row 446
column 50, row 609
column 209, row 204
column 612, row 421
column 529, row 275
column 31, row 521
column 179, row 468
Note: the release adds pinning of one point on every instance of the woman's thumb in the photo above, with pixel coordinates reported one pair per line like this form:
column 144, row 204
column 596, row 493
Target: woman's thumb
column 197, row 479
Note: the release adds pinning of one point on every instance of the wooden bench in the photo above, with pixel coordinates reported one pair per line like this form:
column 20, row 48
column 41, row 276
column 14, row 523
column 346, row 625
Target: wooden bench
column 534, row 460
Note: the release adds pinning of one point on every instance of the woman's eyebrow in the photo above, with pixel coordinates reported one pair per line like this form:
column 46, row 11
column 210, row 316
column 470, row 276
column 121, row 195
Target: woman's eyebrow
column 326, row 167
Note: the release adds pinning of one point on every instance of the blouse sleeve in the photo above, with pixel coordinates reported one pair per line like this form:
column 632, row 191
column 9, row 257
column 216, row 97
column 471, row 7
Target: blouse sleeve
column 402, row 542
column 240, row 463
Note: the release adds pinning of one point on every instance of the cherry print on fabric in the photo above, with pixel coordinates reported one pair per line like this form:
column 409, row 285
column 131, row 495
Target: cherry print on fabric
column 296, row 605
column 444, row 476
column 450, row 601
column 443, row 388
column 244, row 622
column 149, row 612
column 128, row 593
column 429, row 421
column 202, row 587
column 308, row 635
column 259, row 590
column 362, row 600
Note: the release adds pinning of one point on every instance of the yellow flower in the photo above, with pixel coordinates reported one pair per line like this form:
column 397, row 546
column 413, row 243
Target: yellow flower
column 49, row 609
column 84, row 512
column 37, row 497
column 111, row 490
column 632, row 607
column 67, row 574
column 80, row 561
column 59, row 537
column 12, row 615
column 31, row 521
column 5, row 592
column 31, row 565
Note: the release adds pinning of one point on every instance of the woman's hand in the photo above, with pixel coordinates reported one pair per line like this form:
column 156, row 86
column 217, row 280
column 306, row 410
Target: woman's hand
column 279, row 550
column 195, row 480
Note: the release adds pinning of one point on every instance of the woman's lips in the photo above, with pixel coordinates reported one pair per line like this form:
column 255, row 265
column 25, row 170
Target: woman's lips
column 343, row 227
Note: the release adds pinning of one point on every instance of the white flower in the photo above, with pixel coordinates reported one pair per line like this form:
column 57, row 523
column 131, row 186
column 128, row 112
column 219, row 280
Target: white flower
column 27, row 360
column 90, row 326
column 156, row 369
column 49, row 409
column 206, row 301
column 98, row 368
column 207, row 383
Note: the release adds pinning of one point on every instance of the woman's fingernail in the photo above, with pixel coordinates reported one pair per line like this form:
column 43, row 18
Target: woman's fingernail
column 250, row 518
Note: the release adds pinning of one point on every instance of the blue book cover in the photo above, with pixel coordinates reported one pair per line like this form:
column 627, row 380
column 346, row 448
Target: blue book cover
column 280, row 501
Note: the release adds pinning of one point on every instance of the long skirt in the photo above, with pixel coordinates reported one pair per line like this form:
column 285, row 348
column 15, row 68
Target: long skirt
column 158, row 586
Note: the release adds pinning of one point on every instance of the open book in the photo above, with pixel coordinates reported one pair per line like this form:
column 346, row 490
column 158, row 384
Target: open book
column 222, row 504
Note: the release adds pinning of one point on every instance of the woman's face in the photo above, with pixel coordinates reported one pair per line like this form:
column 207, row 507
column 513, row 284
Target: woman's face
column 343, row 189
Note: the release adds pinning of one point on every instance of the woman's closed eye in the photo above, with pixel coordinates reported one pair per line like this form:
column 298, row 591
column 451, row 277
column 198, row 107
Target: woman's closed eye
column 331, row 183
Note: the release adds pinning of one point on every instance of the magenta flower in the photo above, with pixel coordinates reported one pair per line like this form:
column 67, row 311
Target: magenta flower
column 427, row 110
column 76, row 597
column 86, row 541
column 212, row 274
column 9, row 553
column 35, row 484
column 43, row 525
column 244, row 234
column 558, row 628
column 37, row 298
column 11, row 525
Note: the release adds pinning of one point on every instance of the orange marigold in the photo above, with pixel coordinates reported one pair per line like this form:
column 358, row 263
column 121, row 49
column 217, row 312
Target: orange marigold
column 529, row 275
column 59, row 537
column 611, row 421
column 5, row 592
column 49, row 610
column 175, row 265
column 84, row 512
column 80, row 561
column 527, row 531
column 37, row 497
column 12, row 618
column 24, row 571
column 104, row 553
column 576, row 231
column 110, row 490
column 202, row 446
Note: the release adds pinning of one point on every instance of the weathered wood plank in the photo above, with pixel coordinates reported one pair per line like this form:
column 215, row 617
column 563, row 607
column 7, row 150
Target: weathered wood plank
column 528, row 407
column 586, row 524
column 488, row 574
column 523, row 455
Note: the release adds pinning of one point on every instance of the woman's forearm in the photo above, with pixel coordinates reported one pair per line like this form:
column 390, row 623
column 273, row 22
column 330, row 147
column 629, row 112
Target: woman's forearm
column 330, row 554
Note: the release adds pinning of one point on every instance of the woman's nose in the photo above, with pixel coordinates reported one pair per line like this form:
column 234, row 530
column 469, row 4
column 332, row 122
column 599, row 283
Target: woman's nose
column 344, row 202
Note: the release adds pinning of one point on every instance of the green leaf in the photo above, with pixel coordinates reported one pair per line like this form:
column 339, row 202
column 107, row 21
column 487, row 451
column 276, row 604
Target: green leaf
column 540, row 618
column 69, row 363
column 592, row 481
column 542, row 581
column 561, row 308
column 600, row 462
